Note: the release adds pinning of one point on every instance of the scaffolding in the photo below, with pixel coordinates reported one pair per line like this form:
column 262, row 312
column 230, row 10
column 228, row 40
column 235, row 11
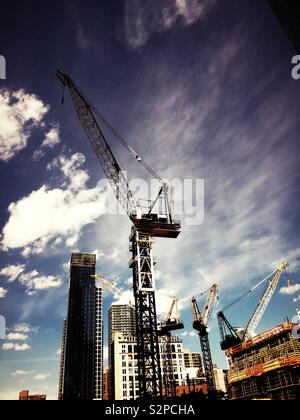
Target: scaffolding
column 267, row 366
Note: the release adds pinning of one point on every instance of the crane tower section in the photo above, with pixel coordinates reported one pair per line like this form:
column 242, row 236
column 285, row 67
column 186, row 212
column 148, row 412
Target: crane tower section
column 146, row 226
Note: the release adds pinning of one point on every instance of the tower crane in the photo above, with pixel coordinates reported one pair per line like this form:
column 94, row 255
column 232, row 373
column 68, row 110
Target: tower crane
column 172, row 323
column 146, row 226
column 200, row 323
column 232, row 336
column 109, row 284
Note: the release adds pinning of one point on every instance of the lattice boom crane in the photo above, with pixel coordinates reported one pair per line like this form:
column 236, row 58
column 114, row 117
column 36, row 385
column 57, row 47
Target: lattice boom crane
column 232, row 336
column 200, row 323
column 146, row 226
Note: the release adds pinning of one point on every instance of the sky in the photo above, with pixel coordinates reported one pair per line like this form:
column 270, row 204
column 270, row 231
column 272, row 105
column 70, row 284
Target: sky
column 202, row 89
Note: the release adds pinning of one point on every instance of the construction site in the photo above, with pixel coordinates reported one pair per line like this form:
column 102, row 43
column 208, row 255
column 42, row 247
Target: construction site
column 264, row 366
column 150, row 205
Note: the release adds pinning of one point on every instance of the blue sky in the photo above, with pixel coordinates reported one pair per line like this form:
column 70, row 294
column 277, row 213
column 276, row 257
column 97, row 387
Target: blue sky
column 202, row 90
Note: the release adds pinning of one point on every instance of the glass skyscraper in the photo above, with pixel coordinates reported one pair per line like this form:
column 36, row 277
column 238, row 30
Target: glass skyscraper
column 83, row 354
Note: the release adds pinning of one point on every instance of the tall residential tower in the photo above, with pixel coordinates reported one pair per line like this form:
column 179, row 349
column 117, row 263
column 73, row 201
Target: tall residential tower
column 83, row 358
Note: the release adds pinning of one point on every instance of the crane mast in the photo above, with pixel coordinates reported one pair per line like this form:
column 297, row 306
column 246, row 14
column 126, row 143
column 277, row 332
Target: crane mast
column 146, row 226
column 172, row 323
column 200, row 324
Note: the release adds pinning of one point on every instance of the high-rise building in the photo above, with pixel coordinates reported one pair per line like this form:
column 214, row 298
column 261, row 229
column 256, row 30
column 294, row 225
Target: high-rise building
column 121, row 318
column 124, row 372
column 266, row 366
column 84, row 342
column 62, row 361
column 219, row 379
column 192, row 359
column 105, row 384
column 124, row 368
column 98, row 345
column 25, row 396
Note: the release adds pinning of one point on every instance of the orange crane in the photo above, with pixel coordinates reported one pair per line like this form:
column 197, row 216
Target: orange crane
column 200, row 324
column 172, row 323
column 146, row 225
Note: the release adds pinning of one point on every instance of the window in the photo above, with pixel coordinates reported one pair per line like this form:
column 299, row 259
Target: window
column 123, row 364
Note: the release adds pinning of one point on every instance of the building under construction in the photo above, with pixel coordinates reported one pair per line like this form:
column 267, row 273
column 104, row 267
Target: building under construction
column 266, row 367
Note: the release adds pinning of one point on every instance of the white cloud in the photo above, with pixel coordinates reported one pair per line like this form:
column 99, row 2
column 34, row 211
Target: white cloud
column 38, row 219
column 58, row 352
column 143, row 19
column 41, row 376
column 16, row 336
column 52, row 137
column 296, row 299
column 188, row 334
column 34, row 282
column 16, row 347
column 124, row 299
column 25, row 328
column 12, row 272
column 20, row 113
column 21, row 373
column 290, row 290
column 3, row 292
column 38, row 155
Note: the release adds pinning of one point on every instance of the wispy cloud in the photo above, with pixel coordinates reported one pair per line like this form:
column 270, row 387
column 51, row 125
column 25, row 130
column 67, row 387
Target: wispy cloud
column 25, row 328
column 290, row 290
column 246, row 161
column 41, row 376
column 34, row 281
column 52, row 138
column 21, row 373
column 143, row 19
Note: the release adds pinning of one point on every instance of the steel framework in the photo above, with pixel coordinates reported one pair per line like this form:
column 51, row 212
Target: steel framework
column 146, row 226
column 200, row 323
column 142, row 264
